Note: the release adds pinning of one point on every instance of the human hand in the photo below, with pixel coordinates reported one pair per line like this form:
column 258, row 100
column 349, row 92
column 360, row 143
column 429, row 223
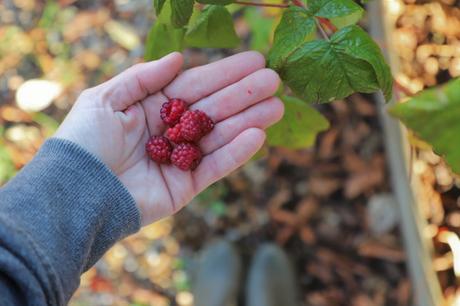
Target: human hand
column 115, row 119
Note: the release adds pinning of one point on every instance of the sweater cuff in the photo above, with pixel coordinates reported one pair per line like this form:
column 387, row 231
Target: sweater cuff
column 66, row 208
column 88, row 171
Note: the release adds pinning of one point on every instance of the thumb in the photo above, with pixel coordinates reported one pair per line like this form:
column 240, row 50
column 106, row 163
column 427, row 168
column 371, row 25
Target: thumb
column 141, row 80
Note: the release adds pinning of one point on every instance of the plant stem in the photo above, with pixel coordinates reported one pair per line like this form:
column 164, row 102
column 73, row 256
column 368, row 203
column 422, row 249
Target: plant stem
column 321, row 29
column 262, row 4
column 328, row 24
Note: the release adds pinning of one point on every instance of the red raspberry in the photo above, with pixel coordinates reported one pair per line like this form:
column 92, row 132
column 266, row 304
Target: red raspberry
column 194, row 125
column 186, row 156
column 206, row 124
column 159, row 149
column 172, row 110
column 174, row 134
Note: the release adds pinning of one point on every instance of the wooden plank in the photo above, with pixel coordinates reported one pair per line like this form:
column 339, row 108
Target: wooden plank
column 426, row 286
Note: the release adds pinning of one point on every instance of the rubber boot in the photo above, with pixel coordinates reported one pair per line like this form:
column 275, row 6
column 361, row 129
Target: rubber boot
column 271, row 280
column 217, row 276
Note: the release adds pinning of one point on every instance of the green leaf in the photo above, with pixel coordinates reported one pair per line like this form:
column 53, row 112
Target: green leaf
column 218, row 2
column 296, row 28
column 434, row 115
column 323, row 71
column 261, row 29
column 354, row 41
column 298, row 25
column 163, row 38
column 166, row 11
column 213, row 29
column 341, row 13
column 341, row 22
column 235, row 8
column 158, row 4
column 337, row 8
column 299, row 127
column 181, row 12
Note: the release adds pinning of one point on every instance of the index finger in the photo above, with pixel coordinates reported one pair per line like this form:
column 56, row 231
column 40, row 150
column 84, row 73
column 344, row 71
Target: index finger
column 197, row 83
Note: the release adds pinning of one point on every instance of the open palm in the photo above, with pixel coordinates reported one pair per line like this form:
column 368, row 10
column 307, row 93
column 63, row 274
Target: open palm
column 115, row 119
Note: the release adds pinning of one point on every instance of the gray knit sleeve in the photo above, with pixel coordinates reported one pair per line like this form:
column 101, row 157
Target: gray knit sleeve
column 57, row 218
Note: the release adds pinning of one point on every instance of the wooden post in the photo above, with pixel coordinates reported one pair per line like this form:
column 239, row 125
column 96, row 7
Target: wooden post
column 425, row 284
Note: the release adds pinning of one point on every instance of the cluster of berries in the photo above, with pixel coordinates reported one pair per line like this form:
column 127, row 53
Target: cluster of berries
column 186, row 128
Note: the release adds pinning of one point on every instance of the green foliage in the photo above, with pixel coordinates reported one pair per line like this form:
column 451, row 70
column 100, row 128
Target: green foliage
column 213, row 29
column 181, row 12
column 299, row 25
column 299, row 126
column 353, row 18
column 163, row 37
column 335, row 9
column 315, row 69
column 158, row 5
column 323, row 71
column 434, row 117
column 261, row 29
column 326, row 70
column 296, row 28
column 162, row 40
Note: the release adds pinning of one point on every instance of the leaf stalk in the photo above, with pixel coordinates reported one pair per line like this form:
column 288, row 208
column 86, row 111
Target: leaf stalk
column 321, row 29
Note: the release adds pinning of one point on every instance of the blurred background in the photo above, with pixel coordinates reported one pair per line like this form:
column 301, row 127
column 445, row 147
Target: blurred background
column 330, row 207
